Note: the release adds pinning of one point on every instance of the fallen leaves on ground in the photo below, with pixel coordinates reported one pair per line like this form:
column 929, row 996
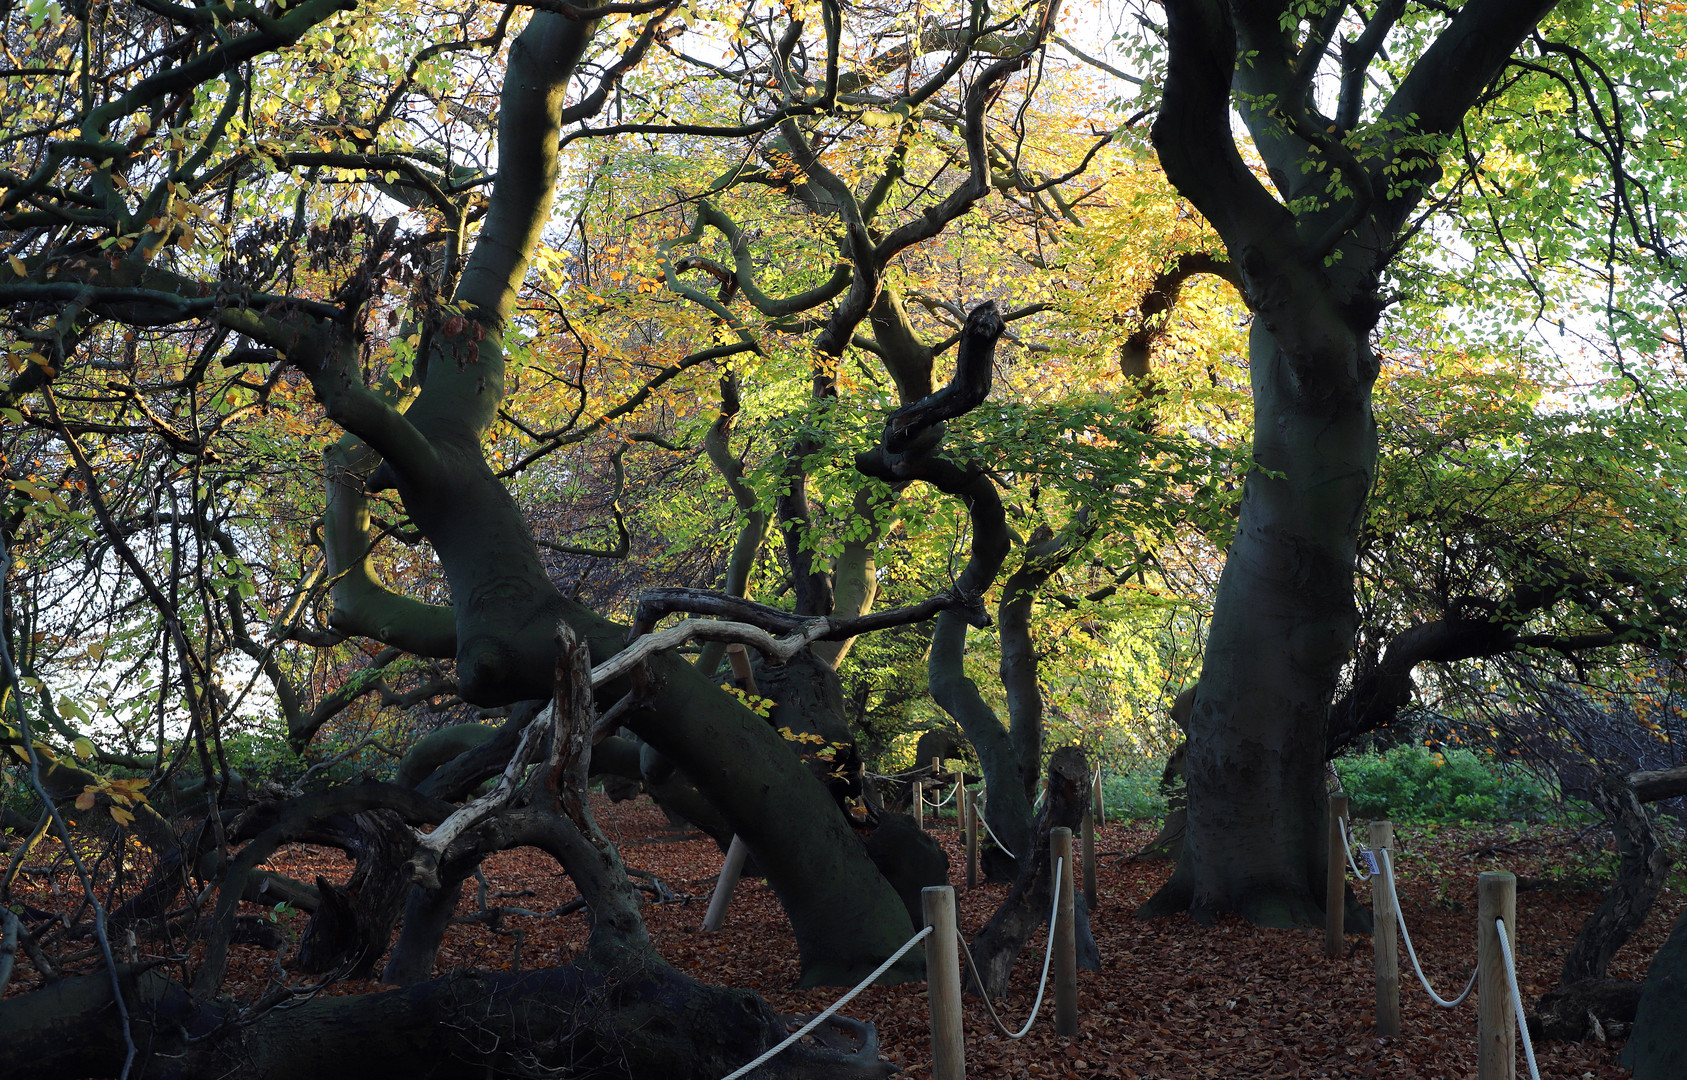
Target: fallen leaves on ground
column 1173, row 1001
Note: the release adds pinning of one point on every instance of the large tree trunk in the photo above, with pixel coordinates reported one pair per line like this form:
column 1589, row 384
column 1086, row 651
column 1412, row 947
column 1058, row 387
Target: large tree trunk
column 1310, row 254
column 1657, row 1047
column 1283, row 623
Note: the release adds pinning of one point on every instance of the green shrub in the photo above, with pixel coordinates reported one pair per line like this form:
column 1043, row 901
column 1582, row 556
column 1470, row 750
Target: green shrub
column 1133, row 794
column 1414, row 783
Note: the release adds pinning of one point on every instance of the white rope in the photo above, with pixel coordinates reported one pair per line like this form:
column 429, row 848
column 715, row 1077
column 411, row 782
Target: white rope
column 993, row 835
column 1387, row 861
column 1048, row 954
column 835, row 1006
column 1517, row 1000
column 940, row 803
column 1348, row 849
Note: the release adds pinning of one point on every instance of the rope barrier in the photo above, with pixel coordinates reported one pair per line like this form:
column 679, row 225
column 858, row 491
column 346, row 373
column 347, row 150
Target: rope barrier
column 993, row 836
column 1348, row 849
column 940, row 803
column 1048, row 954
column 1517, row 999
column 835, row 1006
column 1406, row 936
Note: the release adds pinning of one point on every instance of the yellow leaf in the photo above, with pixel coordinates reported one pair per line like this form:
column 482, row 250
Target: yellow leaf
column 84, row 749
column 121, row 816
column 85, row 801
column 17, row 265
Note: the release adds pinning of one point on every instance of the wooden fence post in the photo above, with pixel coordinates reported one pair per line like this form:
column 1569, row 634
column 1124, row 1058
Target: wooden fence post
column 1335, row 880
column 725, row 884
column 943, row 984
column 1087, row 839
column 972, row 840
column 1496, row 1032
column 1385, row 931
column 937, row 791
column 1097, row 801
column 736, row 852
column 919, row 803
column 1065, row 942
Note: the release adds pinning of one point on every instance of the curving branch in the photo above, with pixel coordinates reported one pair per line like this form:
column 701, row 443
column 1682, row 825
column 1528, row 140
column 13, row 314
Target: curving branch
column 1154, row 311
column 919, row 426
column 623, row 539
column 1356, row 57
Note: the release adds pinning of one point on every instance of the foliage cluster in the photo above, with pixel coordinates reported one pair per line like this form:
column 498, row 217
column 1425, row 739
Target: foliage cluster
column 1417, row 783
column 1134, row 793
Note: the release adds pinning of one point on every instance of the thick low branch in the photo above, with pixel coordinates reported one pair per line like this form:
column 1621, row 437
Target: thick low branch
column 656, row 603
column 1654, row 786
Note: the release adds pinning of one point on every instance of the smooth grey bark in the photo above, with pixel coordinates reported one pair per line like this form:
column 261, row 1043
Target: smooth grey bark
column 1046, row 552
column 1657, row 1047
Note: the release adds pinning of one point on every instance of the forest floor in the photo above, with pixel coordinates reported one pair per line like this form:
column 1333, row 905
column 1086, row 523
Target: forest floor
column 1173, row 1000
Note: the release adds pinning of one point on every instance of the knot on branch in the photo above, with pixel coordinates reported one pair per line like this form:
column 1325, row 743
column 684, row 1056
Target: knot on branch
column 423, row 868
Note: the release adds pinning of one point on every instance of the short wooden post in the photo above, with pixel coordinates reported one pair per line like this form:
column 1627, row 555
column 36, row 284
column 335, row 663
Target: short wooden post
column 1335, row 880
column 741, row 670
column 960, row 799
column 1496, row 1031
column 725, row 884
column 1086, row 835
column 943, row 984
column 920, row 803
column 936, row 791
column 1385, row 931
column 1065, row 936
column 1096, row 800
column 972, row 840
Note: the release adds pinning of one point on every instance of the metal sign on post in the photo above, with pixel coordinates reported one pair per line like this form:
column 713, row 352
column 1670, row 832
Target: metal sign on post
column 1372, row 867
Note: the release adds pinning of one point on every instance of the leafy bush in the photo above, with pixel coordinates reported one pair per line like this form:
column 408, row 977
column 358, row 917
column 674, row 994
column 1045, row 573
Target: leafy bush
column 1133, row 794
column 1414, row 783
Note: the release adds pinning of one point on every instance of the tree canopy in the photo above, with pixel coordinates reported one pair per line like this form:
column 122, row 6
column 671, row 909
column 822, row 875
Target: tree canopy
column 405, row 395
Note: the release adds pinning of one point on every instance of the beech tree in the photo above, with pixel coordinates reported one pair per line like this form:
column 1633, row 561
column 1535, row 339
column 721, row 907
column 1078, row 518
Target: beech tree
column 173, row 217
column 303, row 352
column 1351, row 146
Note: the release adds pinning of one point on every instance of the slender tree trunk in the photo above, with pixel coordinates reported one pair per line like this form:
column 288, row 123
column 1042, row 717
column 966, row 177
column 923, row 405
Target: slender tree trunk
column 1643, row 864
column 1027, row 905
